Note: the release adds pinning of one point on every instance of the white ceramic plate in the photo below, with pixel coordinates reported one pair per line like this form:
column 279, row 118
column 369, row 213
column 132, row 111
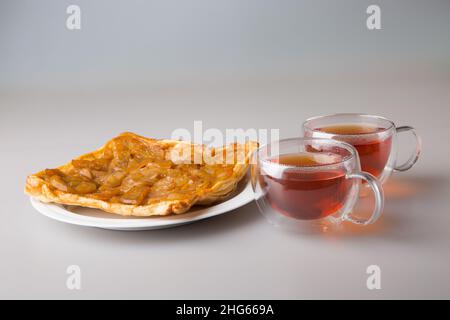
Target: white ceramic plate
column 96, row 218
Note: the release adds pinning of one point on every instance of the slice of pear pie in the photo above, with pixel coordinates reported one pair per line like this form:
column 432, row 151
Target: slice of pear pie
column 137, row 176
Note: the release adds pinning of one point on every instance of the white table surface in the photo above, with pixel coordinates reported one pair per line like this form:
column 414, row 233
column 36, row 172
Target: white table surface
column 154, row 66
column 236, row 255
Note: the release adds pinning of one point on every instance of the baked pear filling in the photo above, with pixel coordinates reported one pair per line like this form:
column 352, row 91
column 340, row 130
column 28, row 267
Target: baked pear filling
column 133, row 175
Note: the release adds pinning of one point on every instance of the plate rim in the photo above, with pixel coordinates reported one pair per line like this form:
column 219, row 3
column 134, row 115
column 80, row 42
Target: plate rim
column 59, row 213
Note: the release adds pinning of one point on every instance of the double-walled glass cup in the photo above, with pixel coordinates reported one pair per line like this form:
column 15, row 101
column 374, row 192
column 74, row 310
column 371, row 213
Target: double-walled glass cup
column 374, row 137
column 310, row 182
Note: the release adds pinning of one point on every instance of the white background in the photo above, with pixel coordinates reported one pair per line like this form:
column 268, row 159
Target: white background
column 155, row 66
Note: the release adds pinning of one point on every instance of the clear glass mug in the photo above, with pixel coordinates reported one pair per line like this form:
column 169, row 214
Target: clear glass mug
column 374, row 137
column 310, row 183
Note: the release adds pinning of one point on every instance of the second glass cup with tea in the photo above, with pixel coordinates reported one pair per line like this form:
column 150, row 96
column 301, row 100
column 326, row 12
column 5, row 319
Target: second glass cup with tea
column 310, row 183
column 374, row 137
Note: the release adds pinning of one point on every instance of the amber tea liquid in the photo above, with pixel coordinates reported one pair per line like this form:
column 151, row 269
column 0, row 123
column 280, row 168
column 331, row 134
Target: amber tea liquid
column 373, row 153
column 307, row 194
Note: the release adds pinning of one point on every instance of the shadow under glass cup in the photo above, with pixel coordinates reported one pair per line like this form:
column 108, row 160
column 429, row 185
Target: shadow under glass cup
column 310, row 183
column 374, row 137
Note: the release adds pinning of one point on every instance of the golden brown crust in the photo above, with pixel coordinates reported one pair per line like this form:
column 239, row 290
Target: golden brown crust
column 40, row 185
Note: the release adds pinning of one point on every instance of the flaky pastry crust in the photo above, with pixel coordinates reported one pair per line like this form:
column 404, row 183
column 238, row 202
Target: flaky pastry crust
column 136, row 176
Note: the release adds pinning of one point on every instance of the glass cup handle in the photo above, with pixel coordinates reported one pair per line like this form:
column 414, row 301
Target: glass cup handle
column 378, row 193
column 415, row 156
